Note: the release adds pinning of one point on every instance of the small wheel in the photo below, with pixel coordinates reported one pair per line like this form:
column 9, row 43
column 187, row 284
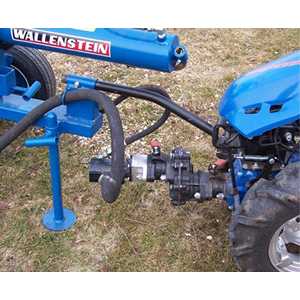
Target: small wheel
column 265, row 235
column 31, row 65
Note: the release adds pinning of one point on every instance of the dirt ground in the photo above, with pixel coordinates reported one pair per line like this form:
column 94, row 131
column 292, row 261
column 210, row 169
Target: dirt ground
column 141, row 231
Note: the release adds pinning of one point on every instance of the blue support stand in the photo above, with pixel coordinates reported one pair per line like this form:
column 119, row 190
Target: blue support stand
column 57, row 218
column 81, row 118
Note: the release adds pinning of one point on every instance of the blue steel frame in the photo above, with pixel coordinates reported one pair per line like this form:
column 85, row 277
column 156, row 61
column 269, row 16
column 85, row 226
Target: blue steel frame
column 57, row 218
column 81, row 118
column 145, row 49
column 134, row 47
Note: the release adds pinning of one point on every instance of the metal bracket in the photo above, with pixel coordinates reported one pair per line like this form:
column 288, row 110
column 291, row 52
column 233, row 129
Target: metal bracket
column 57, row 218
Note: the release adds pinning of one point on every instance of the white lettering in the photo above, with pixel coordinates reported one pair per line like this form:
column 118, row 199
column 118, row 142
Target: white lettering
column 29, row 36
column 71, row 43
column 52, row 40
column 19, row 34
column 104, row 49
column 61, row 41
column 57, row 40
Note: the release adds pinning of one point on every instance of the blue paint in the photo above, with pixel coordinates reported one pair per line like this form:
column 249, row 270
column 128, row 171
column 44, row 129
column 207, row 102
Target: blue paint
column 133, row 47
column 81, row 118
column 274, row 83
column 31, row 90
column 243, row 178
column 6, row 59
column 295, row 157
column 57, row 218
column 82, row 81
column 7, row 80
column 14, row 108
column 52, row 224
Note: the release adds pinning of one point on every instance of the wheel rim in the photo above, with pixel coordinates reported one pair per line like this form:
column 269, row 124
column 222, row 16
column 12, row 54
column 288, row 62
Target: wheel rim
column 284, row 248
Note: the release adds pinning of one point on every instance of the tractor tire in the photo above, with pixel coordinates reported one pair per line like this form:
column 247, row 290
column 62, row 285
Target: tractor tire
column 265, row 234
column 31, row 65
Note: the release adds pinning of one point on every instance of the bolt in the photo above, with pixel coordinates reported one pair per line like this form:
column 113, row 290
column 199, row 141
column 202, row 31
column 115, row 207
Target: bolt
column 197, row 195
column 163, row 177
column 220, row 196
column 156, row 150
column 178, row 64
column 161, row 36
column 271, row 161
column 76, row 84
column 288, row 137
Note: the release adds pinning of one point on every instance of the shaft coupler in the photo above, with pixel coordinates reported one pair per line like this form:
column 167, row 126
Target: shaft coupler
column 174, row 168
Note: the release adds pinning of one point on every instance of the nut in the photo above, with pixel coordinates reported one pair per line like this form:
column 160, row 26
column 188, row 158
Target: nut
column 197, row 195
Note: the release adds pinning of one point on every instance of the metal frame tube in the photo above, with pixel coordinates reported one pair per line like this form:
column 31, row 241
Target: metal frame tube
column 54, row 162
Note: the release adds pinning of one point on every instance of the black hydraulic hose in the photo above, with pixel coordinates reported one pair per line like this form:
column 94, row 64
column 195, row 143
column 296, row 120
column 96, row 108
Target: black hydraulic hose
column 110, row 183
column 164, row 117
column 137, row 136
column 158, row 99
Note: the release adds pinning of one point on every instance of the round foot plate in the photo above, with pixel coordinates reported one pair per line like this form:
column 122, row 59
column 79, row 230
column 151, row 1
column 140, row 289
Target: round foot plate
column 58, row 225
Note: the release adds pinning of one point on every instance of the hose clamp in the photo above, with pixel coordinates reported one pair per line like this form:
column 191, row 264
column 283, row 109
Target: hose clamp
column 64, row 94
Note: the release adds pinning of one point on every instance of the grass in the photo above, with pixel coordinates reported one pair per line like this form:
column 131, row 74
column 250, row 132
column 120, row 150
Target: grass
column 141, row 231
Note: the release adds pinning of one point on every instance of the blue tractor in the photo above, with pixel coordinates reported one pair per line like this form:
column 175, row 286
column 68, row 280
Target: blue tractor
column 257, row 171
